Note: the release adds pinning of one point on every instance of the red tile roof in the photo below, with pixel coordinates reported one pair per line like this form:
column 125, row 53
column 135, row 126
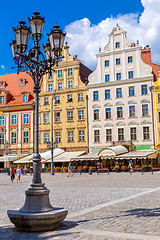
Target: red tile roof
column 146, row 57
column 14, row 87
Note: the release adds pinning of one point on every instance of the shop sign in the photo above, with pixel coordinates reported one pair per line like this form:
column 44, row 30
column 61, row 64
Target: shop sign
column 142, row 147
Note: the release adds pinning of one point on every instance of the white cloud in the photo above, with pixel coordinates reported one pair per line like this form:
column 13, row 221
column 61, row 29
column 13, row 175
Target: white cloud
column 2, row 67
column 84, row 38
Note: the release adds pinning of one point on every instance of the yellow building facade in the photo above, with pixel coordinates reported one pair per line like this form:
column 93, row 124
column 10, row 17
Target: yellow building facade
column 156, row 111
column 67, row 87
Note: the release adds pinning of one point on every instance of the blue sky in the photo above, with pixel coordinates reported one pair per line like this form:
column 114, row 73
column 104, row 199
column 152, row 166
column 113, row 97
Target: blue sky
column 71, row 16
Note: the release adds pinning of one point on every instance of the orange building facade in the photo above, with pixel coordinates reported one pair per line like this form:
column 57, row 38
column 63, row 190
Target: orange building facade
column 16, row 114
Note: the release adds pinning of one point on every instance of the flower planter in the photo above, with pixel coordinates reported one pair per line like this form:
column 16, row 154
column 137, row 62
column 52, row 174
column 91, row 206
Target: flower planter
column 117, row 170
column 90, row 171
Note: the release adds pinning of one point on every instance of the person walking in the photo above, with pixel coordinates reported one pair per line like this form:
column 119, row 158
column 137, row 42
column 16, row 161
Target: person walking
column 18, row 171
column 12, row 173
column 69, row 170
column 25, row 170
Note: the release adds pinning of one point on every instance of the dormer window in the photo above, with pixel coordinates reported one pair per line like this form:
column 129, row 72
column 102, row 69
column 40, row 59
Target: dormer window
column 25, row 98
column 22, row 81
column 2, row 99
column 2, row 84
column 117, row 44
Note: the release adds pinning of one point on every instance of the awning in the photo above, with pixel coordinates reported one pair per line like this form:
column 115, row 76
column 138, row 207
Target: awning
column 67, row 156
column 44, row 156
column 110, row 152
column 135, row 154
column 9, row 158
column 87, row 157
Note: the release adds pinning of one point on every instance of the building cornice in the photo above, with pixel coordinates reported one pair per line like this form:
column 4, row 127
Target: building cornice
column 121, row 82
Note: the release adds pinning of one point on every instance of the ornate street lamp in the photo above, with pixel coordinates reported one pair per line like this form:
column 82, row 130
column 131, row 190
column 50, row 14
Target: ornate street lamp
column 37, row 214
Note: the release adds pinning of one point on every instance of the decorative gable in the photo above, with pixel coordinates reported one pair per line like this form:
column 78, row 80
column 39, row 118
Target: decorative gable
column 145, row 101
column 119, row 104
column 120, row 124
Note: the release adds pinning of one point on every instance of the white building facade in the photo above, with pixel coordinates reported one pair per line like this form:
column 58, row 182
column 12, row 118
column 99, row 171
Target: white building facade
column 119, row 105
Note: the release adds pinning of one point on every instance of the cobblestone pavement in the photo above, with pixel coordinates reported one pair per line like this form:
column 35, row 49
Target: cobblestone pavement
column 115, row 206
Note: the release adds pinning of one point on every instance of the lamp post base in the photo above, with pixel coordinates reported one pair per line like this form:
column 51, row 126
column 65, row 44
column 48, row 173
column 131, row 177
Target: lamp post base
column 37, row 214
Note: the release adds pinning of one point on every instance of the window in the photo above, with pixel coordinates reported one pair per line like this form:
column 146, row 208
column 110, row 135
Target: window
column 96, row 136
column 145, row 110
column 144, row 89
column 25, row 98
column 118, row 61
column 69, row 98
column 130, row 59
column 50, row 75
column 119, row 112
column 95, row 96
column 108, row 113
column 13, row 137
column 50, row 87
column 59, row 73
column 132, row 111
column 158, row 116
column 25, row 137
column 80, row 114
column 130, row 74
column 59, row 85
column 2, row 120
column 57, row 99
column 118, row 92
column 118, row 76
column 106, row 63
column 80, row 97
column 1, row 138
column 96, row 114
column 14, row 119
column 117, row 44
column 2, row 99
column 60, row 58
column 131, row 91
column 26, row 118
column 120, row 134
column 107, row 78
column 22, row 81
column 46, row 101
column 70, row 72
column 70, row 136
column 145, row 133
column 70, row 84
column 39, row 137
column 58, row 137
column 158, row 98
column 108, row 135
column 133, row 133
column 46, row 118
column 39, row 118
column 57, row 116
column 107, row 94
column 81, row 135
column 70, row 115
column 2, row 84
column 46, row 137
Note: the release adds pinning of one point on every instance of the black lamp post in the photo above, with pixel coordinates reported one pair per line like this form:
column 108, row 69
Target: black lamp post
column 37, row 214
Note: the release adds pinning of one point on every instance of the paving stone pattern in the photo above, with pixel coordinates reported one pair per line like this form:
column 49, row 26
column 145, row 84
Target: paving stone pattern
column 98, row 203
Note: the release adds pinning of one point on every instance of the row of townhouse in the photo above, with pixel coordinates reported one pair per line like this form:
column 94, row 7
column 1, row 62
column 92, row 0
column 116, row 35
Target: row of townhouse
column 117, row 104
